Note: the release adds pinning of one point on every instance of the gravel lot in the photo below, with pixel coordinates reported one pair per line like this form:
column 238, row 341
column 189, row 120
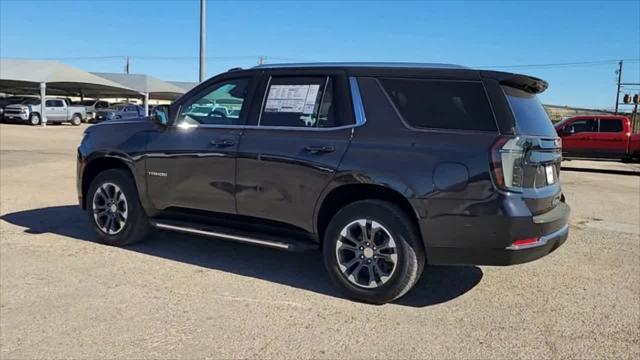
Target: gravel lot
column 175, row 296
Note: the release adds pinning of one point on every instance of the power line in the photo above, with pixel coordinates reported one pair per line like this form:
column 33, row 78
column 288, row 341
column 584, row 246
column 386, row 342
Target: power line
column 284, row 58
column 567, row 64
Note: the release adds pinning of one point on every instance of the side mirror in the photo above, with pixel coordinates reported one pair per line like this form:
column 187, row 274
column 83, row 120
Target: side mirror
column 160, row 115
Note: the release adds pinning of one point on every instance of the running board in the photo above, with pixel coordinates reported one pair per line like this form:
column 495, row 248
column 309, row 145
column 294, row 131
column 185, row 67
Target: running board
column 267, row 240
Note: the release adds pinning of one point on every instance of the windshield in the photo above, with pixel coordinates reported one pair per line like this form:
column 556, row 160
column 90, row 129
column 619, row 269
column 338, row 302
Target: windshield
column 32, row 102
column 118, row 107
column 531, row 118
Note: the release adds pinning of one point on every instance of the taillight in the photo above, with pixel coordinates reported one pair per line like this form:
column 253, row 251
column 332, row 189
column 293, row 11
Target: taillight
column 507, row 163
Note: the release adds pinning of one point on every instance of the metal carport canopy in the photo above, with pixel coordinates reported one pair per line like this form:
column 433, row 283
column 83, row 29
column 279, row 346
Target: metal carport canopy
column 34, row 76
column 149, row 86
column 25, row 76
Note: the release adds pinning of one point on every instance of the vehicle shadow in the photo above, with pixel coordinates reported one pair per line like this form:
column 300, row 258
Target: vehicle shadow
column 301, row 270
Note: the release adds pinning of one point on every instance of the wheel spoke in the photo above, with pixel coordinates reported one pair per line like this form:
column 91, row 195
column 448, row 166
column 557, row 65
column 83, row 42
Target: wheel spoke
column 356, row 272
column 373, row 248
column 350, row 263
column 347, row 235
column 384, row 275
column 110, row 209
column 105, row 192
column 109, row 224
column 372, row 276
column 345, row 246
column 363, row 231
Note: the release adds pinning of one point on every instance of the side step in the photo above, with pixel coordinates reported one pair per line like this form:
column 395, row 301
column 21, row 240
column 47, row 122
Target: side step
column 284, row 242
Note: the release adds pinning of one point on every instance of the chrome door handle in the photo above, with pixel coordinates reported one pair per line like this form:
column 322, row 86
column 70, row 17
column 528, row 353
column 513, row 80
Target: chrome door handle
column 223, row 143
column 320, row 149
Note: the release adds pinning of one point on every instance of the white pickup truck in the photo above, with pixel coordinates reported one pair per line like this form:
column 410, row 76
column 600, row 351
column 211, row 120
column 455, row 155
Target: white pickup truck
column 57, row 110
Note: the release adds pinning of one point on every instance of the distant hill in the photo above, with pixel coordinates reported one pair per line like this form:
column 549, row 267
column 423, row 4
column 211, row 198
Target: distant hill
column 557, row 113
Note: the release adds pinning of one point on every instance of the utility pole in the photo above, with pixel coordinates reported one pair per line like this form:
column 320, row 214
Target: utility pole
column 203, row 20
column 126, row 66
column 261, row 60
column 618, row 91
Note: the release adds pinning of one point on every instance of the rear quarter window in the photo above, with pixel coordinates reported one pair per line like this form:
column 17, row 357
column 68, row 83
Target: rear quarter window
column 530, row 116
column 439, row 104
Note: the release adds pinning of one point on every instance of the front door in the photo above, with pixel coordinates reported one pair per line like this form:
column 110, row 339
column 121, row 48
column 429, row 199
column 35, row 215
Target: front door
column 291, row 154
column 575, row 137
column 191, row 164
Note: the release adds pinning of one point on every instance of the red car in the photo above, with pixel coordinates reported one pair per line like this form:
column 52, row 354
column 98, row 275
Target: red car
column 598, row 136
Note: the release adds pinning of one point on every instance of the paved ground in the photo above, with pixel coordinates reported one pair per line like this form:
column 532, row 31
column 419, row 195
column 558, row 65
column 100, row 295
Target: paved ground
column 64, row 296
column 610, row 167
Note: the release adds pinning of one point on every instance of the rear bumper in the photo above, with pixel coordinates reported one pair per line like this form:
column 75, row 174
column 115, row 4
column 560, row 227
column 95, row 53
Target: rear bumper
column 550, row 229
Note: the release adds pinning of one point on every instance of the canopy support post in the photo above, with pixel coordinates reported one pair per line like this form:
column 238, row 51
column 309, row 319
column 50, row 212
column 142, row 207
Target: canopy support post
column 43, row 100
column 146, row 104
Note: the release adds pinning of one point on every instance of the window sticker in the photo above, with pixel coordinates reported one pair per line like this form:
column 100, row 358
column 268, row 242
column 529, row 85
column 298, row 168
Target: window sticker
column 300, row 99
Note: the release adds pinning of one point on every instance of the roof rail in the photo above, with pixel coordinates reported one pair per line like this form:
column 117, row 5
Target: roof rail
column 234, row 69
column 362, row 64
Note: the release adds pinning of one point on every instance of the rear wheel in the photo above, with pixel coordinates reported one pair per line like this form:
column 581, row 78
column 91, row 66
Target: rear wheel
column 34, row 119
column 114, row 209
column 372, row 251
column 76, row 120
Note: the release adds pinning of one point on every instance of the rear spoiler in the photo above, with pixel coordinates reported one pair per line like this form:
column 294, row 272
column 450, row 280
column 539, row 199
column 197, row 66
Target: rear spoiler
column 523, row 82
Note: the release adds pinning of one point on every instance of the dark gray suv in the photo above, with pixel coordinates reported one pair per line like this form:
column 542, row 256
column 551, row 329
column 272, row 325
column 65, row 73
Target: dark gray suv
column 383, row 167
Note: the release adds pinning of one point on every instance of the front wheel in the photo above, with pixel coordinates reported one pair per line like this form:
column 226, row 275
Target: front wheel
column 34, row 119
column 372, row 251
column 114, row 209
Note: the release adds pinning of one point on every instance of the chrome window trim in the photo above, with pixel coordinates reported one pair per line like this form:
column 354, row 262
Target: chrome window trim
column 358, row 109
column 264, row 99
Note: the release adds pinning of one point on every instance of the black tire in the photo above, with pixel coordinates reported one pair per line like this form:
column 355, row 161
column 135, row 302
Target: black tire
column 410, row 251
column 76, row 120
column 35, row 119
column 136, row 225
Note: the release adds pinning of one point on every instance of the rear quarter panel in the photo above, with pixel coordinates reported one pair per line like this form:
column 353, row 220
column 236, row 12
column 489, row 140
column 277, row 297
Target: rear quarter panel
column 444, row 174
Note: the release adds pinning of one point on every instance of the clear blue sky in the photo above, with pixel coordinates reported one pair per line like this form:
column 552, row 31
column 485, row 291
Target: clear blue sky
column 162, row 37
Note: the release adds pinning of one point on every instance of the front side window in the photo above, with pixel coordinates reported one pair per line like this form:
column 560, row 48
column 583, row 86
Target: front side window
column 585, row 125
column 221, row 105
column 303, row 102
column 437, row 104
column 613, row 125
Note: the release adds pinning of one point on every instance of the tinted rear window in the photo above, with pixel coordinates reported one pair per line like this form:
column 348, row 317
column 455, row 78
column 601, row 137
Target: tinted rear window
column 437, row 104
column 610, row 125
column 531, row 119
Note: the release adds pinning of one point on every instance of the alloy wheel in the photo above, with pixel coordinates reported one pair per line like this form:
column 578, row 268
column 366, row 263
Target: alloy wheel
column 110, row 208
column 366, row 253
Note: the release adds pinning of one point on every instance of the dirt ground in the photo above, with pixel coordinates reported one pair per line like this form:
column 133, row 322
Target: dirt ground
column 175, row 296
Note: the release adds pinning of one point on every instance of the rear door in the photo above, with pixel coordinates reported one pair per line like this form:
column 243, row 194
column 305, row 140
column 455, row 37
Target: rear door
column 288, row 156
column 611, row 139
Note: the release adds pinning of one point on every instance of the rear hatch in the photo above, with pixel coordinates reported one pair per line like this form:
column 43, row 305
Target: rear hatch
column 529, row 161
